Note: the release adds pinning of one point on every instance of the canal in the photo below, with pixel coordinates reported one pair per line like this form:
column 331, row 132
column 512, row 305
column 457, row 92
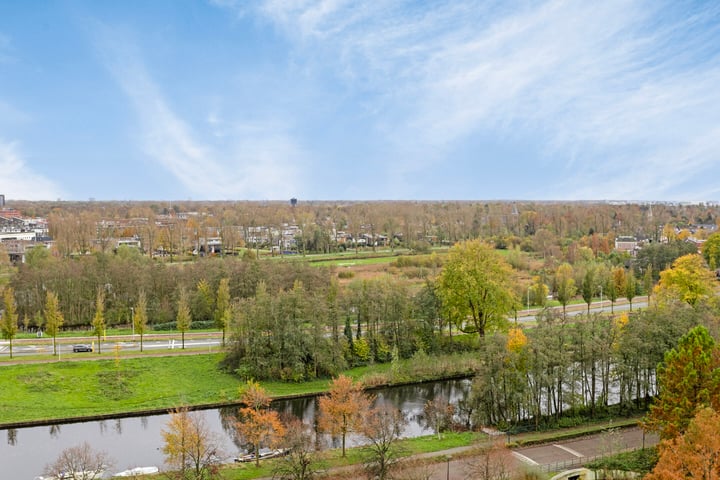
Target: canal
column 137, row 441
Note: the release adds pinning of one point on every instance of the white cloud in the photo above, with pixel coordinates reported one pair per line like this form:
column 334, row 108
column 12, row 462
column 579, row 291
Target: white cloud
column 18, row 181
column 601, row 88
column 258, row 164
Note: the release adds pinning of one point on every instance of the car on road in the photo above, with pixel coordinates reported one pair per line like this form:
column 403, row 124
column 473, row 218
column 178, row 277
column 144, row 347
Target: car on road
column 82, row 348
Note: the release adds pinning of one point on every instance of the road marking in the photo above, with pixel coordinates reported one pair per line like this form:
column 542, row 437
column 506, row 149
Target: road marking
column 525, row 459
column 569, row 450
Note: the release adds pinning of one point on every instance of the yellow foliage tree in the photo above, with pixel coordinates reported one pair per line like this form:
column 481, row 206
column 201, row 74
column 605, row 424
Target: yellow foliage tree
column 9, row 320
column 190, row 448
column 688, row 280
column 516, row 340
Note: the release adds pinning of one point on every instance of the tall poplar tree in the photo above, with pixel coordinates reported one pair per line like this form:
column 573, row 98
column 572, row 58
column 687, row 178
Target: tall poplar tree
column 53, row 318
column 9, row 322
column 223, row 312
column 565, row 285
column 140, row 318
column 98, row 322
column 184, row 317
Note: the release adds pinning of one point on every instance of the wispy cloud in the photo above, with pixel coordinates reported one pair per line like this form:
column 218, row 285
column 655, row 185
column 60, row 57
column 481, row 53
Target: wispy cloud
column 258, row 163
column 19, row 181
column 620, row 96
column 5, row 48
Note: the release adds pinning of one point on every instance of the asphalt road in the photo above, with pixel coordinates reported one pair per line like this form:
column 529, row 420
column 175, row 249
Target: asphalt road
column 526, row 316
column 154, row 342
column 557, row 456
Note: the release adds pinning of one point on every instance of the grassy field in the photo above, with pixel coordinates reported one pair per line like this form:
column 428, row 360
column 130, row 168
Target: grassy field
column 71, row 389
column 75, row 389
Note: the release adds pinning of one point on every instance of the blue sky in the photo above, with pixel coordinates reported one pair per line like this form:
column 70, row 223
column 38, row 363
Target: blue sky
column 339, row 99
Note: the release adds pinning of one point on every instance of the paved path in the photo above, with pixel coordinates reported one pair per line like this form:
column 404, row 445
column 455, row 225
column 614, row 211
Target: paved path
column 551, row 455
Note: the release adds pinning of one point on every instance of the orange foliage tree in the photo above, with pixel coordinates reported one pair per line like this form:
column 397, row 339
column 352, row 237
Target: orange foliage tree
column 695, row 454
column 342, row 409
column 259, row 425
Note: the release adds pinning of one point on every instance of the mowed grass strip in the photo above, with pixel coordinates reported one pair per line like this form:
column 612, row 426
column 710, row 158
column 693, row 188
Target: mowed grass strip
column 47, row 391
column 74, row 389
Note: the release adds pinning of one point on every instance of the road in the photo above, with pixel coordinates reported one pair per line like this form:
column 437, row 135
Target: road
column 158, row 342
column 555, row 456
column 152, row 342
column 528, row 316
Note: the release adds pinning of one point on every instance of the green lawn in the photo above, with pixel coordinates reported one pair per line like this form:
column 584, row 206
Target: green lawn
column 74, row 389
column 67, row 389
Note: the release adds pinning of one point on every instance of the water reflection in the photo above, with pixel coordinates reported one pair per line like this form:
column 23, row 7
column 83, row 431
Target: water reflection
column 137, row 441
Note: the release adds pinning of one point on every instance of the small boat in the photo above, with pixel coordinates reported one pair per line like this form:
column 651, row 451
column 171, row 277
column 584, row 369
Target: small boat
column 86, row 475
column 264, row 453
column 137, row 471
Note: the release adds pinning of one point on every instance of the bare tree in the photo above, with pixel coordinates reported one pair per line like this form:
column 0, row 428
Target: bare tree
column 79, row 463
column 382, row 429
column 439, row 415
column 298, row 463
column 492, row 461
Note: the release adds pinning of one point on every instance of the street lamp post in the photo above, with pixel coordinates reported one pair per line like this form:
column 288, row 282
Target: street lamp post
column 132, row 322
column 528, row 300
column 601, row 305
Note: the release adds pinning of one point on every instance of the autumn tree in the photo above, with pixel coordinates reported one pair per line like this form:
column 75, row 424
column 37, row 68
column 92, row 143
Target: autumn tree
column 342, row 410
column 140, row 317
column 694, row 454
column 711, row 250
column 565, row 288
column 688, row 379
column 53, row 318
column 191, row 448
column 223, row 311
column 80, row 462
column 184, row 317
column 98, row 321
column 259, row 425
column 477, row 282
column 688, row 280
column 382, row 428
column 9, row 321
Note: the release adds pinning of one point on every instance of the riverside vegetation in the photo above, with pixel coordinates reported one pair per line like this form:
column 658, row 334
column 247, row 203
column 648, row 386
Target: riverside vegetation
column 297, row 324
